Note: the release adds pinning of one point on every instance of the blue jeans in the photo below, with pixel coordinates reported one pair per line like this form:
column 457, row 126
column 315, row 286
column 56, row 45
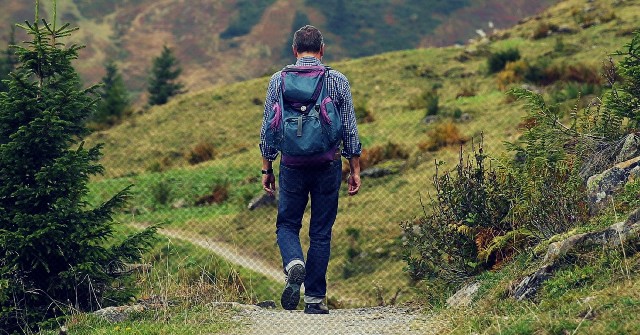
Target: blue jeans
column 296, row 184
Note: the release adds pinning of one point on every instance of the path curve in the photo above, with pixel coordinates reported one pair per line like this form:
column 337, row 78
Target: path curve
column 387, row 320
column 229, row 252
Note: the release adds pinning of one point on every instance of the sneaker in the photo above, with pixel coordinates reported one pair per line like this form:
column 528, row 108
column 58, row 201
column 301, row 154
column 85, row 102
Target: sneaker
column 291, row 294
column 319, row 308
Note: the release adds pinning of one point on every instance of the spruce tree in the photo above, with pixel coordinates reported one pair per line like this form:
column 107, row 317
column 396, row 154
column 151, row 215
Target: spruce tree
column 8, row 61
column 624, row 98
column 114, row 101
column 56, row 249
column 163, row 83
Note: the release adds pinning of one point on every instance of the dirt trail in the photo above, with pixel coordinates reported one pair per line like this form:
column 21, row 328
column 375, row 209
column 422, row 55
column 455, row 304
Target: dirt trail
column 359, row 321
column 388, row 320
column 229, row 252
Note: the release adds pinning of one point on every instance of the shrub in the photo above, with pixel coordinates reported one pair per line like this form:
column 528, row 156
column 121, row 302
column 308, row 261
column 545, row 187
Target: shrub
column 480, row 216
column 497, row 61
column 161, row 192
column 513, row 72
column 578, row 72
column 542, row 30
column 202, row 152
column 444, row 134
column 469, row 208
column 428, row 99
column 374, row 155
column 363, row 114
column 624, row 98
column 467, row 90
column 218, row 195
column 357, row 261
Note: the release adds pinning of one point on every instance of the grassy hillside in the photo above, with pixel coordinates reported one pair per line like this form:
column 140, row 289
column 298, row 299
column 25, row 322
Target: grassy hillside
column 151, row 150
column 226, row 41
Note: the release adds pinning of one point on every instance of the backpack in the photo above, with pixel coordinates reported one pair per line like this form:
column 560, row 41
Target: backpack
column 304, row 125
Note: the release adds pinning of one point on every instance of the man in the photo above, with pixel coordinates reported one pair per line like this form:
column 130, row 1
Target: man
column 321, row 183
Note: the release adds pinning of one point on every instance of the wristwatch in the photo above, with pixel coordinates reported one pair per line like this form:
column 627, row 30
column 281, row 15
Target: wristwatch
column 268, row 171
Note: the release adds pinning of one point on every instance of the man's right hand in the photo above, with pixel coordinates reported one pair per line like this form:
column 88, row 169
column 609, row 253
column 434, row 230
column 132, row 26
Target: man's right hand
column 269, row 183
column 354, row 184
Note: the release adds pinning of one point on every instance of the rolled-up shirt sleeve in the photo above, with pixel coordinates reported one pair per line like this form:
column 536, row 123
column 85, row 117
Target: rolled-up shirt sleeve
column 269, row 152
column 350, row 138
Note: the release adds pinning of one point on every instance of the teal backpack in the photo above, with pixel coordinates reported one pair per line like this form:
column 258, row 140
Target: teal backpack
column 304, row 125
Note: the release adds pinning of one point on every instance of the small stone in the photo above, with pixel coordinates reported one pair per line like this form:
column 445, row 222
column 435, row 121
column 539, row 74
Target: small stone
column 269, row 304
column 180, row 203
column 262, row 200
column 120, row 313
column 464, row 296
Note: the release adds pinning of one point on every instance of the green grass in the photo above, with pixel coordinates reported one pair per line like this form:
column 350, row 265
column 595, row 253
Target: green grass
column 173, row 320
column 229, row 117
column 594, row 291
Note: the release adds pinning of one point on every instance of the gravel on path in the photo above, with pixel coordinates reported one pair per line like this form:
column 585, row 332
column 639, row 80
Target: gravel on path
column 359, row 321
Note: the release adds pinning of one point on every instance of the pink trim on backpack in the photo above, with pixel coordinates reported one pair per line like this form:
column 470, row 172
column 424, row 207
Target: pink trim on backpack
column 323, row 110
column 277, row 118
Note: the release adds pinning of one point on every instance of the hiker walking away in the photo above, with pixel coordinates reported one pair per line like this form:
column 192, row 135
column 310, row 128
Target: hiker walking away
column 308, row 114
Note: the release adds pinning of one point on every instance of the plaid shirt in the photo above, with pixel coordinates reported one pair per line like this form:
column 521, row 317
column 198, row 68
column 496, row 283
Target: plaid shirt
column 340, row 92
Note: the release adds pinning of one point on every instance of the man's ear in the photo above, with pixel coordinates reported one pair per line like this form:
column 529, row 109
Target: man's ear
column 322, row 50
column 295, row 51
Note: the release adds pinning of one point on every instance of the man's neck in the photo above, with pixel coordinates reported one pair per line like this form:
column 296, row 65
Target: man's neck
column 318, row 56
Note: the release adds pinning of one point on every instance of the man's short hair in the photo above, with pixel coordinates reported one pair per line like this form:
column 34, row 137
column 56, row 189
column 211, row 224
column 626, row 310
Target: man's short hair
column 307, row 39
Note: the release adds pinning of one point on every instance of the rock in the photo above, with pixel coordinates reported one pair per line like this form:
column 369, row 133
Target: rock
column 600, row 187
column 464, row 296
column 385, row 168
column 235, row 306
column 119, row 314
column 262, row 200
column 614, row 235
column 532, row 88
column 180, row 203
column 611, row 236
column 634, row 174
column 630, row 148
column 431, row 119
column 465, row 117
column 528, row 286
column 565, row 30
column 269, row 304
column 126, row 268
column 375, row 172
column 138, row 210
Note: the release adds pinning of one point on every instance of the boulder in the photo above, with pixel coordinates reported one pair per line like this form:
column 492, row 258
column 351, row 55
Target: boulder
column 376, row 172
column 630, row 148
column 614, row 235
column 388, row 167
column 464, row 296
column 262, row 200
column 600, row 187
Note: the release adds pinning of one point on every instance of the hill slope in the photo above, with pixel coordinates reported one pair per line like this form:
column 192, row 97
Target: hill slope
column 152, row 149
column 223, row 41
